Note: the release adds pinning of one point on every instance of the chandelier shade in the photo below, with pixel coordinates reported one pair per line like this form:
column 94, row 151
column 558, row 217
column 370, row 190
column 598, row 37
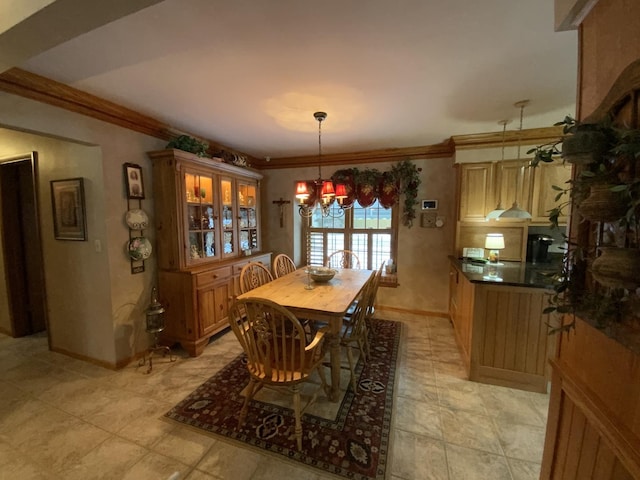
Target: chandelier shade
column 515, row 212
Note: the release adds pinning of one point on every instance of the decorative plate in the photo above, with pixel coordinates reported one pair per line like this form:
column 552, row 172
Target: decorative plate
column 139, row 248
column 137, row 219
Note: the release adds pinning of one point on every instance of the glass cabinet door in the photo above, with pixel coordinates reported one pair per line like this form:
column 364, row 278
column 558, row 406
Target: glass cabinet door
column 201, row 217
column 248, row 219
column 228, row 218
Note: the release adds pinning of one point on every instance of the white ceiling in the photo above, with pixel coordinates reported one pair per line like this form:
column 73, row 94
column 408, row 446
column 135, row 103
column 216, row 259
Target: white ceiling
column 250, row 73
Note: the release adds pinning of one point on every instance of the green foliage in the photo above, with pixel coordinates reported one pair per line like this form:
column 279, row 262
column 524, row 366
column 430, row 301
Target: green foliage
column 408, row 176
column 404, row 173
column 189, row 144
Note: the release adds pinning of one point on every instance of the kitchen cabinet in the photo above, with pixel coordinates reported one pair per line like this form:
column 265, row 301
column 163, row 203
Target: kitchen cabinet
column 500, row 328
column 476, row 190
column 545, row 176
column 483, row 185
column 460, row 311
column 208, row 228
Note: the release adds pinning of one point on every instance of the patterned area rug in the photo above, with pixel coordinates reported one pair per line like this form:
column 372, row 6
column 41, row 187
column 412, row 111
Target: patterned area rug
column 349, row 438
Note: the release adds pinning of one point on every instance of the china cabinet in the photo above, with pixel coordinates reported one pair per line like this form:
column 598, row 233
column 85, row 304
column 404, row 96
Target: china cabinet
column 208, row 228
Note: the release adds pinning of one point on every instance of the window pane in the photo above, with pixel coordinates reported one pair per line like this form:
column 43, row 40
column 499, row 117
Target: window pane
column 335, row 241
column 334, row 220
column 374, row 216
column 380, row 249
column 359, row 245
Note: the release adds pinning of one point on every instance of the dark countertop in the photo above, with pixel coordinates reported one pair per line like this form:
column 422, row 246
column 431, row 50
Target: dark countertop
column 518, row 274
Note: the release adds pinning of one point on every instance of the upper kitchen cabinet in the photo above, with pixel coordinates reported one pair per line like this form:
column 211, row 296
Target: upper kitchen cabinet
column 476, row 182
column 484, row 185
column 206, row 210
column 543, row 195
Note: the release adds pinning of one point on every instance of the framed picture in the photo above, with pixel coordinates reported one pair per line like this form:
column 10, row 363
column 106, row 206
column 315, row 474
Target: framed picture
column 69, row 217
column 133, row 176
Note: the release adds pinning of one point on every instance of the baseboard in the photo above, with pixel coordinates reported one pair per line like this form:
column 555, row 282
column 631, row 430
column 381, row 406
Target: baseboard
column 414, row 312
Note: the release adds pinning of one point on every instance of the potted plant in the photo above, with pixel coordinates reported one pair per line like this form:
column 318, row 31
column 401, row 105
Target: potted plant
column 605, row 190
column 581, row 143
column 189, row 144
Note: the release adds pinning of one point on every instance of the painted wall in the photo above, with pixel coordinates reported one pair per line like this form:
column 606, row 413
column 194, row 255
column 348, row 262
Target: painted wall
column 96, row 306
column 423, row 271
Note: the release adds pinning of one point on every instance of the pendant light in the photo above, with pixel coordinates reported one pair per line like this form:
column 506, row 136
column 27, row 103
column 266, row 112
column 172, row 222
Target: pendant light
column 495, row 214
column 515, row 212
column 327, row 193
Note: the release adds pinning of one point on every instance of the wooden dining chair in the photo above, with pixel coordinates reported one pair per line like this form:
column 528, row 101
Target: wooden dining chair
column 252, row 275
column 278, row 353
column 354, row 334
column 343, row 259
column 283, row 264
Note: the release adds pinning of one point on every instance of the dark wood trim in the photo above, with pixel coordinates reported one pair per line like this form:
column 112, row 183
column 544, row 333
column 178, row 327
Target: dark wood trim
column 511, row 137
column 26, row 84
column 371, row 156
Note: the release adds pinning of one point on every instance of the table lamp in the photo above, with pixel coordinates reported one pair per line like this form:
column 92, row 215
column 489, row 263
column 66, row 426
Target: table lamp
column 494, row 243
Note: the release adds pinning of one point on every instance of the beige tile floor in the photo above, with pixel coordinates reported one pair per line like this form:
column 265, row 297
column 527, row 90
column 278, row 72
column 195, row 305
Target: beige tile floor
column 61, row 418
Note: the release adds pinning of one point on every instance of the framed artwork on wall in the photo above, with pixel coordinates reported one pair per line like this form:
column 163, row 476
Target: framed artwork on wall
column 69, row 216
column 133, row 178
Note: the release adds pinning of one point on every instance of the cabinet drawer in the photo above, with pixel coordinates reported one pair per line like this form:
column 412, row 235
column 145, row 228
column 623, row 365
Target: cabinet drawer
column 264, row 259
column 212, row 276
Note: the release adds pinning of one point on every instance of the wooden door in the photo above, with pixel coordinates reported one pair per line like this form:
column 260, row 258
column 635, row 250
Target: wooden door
column 22, row 248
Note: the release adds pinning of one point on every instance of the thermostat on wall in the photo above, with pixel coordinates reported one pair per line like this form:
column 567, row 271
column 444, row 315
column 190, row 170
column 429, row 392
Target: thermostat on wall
column 429, row 204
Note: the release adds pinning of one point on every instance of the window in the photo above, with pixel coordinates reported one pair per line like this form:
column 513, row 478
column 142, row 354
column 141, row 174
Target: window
column 369, row 232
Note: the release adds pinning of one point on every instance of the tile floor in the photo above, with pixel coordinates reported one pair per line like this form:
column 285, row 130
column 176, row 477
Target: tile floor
column 61, row 418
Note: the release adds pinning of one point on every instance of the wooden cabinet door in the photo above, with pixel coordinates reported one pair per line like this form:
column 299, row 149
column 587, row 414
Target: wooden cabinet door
column 213, row 307
column 513, row 183
column 545, row 176
column 476, row 191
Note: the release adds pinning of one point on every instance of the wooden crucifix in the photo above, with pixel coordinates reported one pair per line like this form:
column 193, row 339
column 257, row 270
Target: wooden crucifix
column 281, row 203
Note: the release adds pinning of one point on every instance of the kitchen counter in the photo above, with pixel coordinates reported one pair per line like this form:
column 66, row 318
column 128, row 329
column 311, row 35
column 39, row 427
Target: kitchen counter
column 500, row 324
column 518, row 274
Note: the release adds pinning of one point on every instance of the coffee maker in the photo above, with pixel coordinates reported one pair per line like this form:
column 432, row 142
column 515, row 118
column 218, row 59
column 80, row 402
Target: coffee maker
column 538, row 248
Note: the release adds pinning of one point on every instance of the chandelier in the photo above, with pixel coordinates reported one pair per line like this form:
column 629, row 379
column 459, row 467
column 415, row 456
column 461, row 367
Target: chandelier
column 323, row 194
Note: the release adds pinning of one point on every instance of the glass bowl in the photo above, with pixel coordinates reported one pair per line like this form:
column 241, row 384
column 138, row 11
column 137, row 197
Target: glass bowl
column 321, row 274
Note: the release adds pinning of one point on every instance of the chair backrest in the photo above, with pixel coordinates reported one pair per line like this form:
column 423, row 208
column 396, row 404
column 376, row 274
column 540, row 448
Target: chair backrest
column 373, row 291
column 343, row 259
column 273, row 340
column 356, row 329
column 252, row 275
column 282, row 265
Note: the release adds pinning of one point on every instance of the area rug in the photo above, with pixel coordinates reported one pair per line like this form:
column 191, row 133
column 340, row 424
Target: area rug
column 349, row 438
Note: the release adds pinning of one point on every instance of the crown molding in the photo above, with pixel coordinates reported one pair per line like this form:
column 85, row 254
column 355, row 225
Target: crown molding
column 36, row 87
column 370, row 156
column 26, row 84
column 511, row 137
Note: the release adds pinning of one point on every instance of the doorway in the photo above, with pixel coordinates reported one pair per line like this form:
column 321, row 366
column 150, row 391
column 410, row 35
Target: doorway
column 22, row 246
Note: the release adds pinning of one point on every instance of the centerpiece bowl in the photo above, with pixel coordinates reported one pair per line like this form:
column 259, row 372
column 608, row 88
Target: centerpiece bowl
column 321, row 274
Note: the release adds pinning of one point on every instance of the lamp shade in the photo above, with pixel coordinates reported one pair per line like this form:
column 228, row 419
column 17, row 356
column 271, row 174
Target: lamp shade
column 327, row 189
column 516, row 212
column 341, row 191
column 494, row 241
column 301, row 190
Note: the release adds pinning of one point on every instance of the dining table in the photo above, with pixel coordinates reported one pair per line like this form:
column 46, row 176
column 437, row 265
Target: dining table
column 326, row 302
